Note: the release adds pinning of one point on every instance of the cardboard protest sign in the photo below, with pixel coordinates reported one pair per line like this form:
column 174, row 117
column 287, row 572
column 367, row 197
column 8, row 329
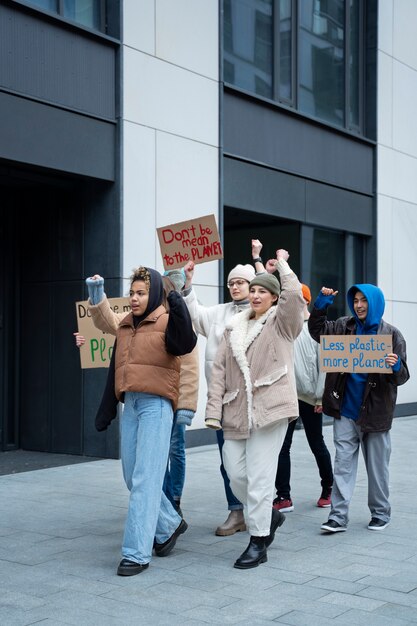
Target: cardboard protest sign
column 355, row 354
column 98, row 347
column 194, row 240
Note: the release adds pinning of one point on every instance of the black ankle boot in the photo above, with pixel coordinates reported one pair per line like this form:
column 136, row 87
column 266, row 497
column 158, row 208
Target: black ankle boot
column 277, row 520
column 254, row 554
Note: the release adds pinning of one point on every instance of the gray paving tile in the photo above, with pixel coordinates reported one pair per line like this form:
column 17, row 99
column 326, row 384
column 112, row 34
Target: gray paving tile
column 365, row 618
column 394, row 582
column 334, row 584
column 352, row 601
column 395, row 597
column 396, row 611
column 301, row 618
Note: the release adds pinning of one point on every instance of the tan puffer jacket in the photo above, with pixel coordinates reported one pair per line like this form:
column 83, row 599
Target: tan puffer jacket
column 142, row 362
column 105, row 319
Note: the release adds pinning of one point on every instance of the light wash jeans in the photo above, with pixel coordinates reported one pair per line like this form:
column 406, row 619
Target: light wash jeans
column 145, row 431
column 175, row 473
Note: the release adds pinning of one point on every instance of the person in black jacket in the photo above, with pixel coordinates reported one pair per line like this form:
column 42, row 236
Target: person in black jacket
column 362, row 405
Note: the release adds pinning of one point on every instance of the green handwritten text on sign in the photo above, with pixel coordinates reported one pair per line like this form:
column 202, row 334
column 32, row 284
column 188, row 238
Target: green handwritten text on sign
column 98, row 347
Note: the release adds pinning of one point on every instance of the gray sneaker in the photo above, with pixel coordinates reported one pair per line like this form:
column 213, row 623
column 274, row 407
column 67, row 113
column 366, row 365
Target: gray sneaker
column 377, row 524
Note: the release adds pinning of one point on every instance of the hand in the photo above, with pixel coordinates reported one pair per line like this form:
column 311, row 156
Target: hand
column 189, row 273
column 318, row 408
column 282, row 254
column 79, row 339
column 327, row 291
column 256, row 248
column 212, row 422
column 96, row 277
column 271, row 266
column 391, row 359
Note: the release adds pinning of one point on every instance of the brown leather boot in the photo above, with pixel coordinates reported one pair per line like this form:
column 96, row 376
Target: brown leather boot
column 234, row 524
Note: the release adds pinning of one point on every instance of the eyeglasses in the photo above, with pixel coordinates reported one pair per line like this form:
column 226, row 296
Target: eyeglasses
column 237, row 283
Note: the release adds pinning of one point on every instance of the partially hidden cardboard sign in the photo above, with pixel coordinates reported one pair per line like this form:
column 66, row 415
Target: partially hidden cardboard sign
column 194, row 240
column 355, row 354
column 98, row 347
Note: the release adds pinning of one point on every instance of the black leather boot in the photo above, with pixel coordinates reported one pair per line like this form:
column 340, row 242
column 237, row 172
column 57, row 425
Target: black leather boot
column 277, row 520
column 254, row 554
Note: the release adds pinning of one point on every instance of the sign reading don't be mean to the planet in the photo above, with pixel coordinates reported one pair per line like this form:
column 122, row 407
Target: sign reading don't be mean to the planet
column 194, row 240
column 355, row 354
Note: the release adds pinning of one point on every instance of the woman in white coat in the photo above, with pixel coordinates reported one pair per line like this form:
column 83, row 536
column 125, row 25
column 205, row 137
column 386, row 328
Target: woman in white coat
column 252, row 396
column 211, row 322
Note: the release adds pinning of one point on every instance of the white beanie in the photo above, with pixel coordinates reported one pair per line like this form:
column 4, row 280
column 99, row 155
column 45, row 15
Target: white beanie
column 246, row 272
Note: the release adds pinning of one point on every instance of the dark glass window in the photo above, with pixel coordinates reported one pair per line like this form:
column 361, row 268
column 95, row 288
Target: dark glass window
column 354, row 63
column 321, row 60
column 331, row 259
column 307, row 54
column 85, row 12
column 285, row 50
column 89, row 13
column 248, row 45
column 48, row 5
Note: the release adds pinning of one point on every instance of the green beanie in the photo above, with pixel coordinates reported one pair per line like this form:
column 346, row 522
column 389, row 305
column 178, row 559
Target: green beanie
column 268, row 281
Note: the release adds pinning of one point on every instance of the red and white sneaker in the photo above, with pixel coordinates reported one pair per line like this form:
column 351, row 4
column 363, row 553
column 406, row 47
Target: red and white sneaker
column 284, row 505
column 325, row 499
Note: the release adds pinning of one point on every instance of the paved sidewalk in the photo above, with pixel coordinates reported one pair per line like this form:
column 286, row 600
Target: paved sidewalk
column 61, row 529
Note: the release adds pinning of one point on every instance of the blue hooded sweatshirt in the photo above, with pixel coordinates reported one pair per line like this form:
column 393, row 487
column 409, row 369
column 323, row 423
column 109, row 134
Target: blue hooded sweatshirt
column 355, row 383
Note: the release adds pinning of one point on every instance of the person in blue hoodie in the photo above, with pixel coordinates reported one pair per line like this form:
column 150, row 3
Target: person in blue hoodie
column 362, row 405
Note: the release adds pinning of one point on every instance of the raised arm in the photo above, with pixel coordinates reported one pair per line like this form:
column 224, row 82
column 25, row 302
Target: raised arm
column 290, row 308
column 201, row 316
column 104, row 318
column 180, row 337
column 256, row 256
column 318, row 324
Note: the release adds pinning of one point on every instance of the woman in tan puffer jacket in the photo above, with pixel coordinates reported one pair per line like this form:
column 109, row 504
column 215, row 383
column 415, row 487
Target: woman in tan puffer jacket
column 149, row 342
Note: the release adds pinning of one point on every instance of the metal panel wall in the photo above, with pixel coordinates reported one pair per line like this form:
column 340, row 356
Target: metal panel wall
column 45, row 136
column 269, row 135
column 64, row 66
column 255, row 188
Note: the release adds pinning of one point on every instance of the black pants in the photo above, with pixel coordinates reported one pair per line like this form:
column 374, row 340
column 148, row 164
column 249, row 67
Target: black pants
column 313, row 426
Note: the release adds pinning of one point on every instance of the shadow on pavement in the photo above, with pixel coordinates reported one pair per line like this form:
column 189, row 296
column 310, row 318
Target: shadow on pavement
column 16, row 461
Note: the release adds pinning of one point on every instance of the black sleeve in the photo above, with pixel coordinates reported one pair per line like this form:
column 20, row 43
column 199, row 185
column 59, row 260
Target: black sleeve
column 180, row 337
column 317, row 323
column 399, row 348
column 108, row 407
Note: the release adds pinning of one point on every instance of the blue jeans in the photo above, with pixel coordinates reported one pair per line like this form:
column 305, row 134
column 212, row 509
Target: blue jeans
column 233, row 503
column 145, row 430
column 175, row 472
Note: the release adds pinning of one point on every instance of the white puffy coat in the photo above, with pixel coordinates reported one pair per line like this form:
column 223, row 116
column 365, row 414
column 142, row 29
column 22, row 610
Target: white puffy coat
column 211, row 322
column 308, row 378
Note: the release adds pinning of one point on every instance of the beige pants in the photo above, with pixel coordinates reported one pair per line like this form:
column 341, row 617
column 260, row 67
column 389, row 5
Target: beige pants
column 251, row 465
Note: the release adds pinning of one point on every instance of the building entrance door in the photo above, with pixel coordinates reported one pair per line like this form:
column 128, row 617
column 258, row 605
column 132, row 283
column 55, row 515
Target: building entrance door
column 8, row 325
column 40, row 265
